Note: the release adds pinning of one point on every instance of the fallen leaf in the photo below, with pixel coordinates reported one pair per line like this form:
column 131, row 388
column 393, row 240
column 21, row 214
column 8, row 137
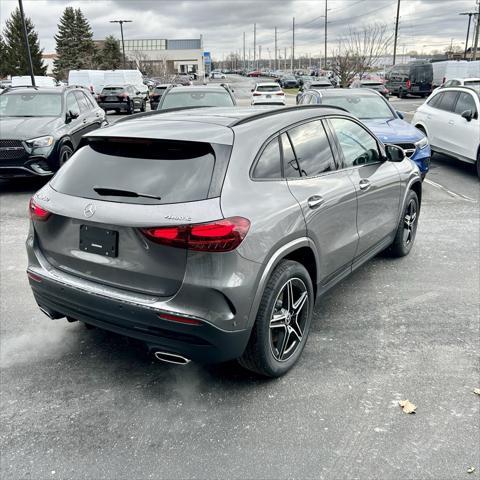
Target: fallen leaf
column 471, row 470
column 407, row 406
column 476, row 390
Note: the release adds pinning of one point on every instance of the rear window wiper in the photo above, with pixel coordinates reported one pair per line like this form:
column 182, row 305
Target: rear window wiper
column 116, row 192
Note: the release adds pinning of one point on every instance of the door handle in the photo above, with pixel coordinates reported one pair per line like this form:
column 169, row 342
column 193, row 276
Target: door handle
column 451, row 122
column 315, row 201
column 364, row 184
column 84, row 120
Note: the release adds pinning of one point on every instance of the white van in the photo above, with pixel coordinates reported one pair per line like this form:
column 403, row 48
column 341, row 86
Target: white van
column 443, row 71
column 40, row 81
column 126, row 77
column 94, row 80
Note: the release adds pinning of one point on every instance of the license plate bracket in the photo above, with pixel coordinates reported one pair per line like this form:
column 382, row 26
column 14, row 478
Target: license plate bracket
column 99, row 240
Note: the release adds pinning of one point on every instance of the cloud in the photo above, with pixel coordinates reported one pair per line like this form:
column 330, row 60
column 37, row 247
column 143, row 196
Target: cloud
column 424, row 24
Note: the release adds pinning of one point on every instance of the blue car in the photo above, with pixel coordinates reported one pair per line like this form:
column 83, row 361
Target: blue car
column 378, row 115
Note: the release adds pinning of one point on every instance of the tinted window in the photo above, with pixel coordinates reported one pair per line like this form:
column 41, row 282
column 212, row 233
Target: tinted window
column 82, row 101
column 196, row 99
column 72, row 104
column 465, row 102
column 175, row 171
column 290, row 165
column 268, row 88
column 113, row 90
column 358, row 146
column 434, row 101
column 312, row 148
column 30, row 105
column 447, row 102
column 268, row 165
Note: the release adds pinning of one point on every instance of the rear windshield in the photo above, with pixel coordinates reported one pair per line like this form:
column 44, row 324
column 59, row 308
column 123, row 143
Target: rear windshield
column 113, row 90
column 366, row 107
column 160, row 90
column 30, row 105
column 112, row 169
column 473, row 84
column 268, row 88
column 197, row 99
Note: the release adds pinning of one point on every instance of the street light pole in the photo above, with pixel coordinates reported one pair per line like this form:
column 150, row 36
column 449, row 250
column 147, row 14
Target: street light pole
column 27, row 44
column 396, row 33
column 326, row 21
column 121, row 22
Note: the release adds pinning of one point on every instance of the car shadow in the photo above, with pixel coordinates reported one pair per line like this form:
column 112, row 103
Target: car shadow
column 22, row 185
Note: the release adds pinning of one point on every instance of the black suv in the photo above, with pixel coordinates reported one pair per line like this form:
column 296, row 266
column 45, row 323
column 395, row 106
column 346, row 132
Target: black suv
column 40, row 128
column 197, row 96
column 122, row 97
column 156, row 94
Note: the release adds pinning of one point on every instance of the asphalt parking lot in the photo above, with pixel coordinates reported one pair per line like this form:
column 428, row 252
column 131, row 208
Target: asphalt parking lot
column 87, row 404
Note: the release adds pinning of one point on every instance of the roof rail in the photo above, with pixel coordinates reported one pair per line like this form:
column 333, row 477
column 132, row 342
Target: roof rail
column 10, row 87
column 277, row 111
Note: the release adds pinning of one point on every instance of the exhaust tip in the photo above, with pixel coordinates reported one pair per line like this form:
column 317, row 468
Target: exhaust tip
column 168, row 357
column 51, row 313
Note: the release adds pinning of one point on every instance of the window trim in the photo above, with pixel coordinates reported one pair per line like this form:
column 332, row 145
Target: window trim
column 380, row 145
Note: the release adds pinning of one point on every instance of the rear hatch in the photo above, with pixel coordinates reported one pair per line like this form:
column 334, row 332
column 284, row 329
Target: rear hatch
column 95, row 231
column 112, row 94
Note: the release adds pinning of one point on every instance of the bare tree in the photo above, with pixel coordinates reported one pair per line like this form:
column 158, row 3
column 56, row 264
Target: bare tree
column 360, row 50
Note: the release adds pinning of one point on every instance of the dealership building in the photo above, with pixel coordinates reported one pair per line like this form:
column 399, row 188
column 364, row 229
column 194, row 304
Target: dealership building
column 163, row 56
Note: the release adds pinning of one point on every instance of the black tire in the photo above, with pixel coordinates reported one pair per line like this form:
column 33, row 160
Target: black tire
column 131, row 108
column 275, row 345
column 401, row 94
column 143, row 108
column 407, row 228
column 64, row 154
column 478, row 163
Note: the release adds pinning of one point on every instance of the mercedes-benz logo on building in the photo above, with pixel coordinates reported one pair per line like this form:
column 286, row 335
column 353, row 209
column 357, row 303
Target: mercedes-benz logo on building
column 89, row 210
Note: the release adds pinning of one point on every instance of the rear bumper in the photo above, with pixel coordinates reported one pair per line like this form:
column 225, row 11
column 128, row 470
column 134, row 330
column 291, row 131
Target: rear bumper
column 201, row 343
column 113, row 105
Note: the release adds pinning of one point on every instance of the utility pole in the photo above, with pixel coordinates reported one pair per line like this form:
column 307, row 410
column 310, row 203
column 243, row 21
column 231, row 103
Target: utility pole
column 244, row 51
column 27, row 44
column 255, row 46
column 292, row 62
column 396, row 32
column 326, row 35
column 121, row 22
column 260, row 55
column 477, row 33
column 468, row 31
column 285, row 59
column 275, row 65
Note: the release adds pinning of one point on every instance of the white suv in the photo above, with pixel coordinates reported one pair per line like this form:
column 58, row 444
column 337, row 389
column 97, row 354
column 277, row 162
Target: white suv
column 450, row 119
column 268, row 93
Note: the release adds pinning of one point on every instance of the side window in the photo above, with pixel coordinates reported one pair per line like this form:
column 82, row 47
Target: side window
column 304, row 99
column 72, row 104
column 312, row 149
column 290, row 165
column 313, row 100
column 465, row 102
column 448, row 101
column 268, row 165
column 82, row 101
column 358, row 146
column 434, row 101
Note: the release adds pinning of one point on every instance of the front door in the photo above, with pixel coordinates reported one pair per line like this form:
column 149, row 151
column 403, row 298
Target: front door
column 326, row 196
column 376, row 181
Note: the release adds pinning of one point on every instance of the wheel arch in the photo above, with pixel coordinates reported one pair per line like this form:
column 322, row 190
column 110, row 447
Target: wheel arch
column 301, row 250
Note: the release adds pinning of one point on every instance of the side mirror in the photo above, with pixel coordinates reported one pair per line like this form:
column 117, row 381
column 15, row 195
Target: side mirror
column 400, row 115
column 251, row 90
column 467, row 115
column 394, row 153
column 138, row 93
column 71, row 116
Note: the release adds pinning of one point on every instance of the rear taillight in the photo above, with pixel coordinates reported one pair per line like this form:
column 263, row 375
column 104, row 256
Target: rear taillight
column 37, row 212
column 280, row 93
column 409, row 84
column 218, row 236
column 256, row 94
column 179, row 319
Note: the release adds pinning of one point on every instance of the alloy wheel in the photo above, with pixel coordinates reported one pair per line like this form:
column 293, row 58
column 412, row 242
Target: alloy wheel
column 409, row 222
column 288, row 319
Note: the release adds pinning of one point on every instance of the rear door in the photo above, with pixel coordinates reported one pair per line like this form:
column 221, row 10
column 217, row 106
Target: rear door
column 326, row 196
column 377, row 184
column 443, row 121
column 89, row 119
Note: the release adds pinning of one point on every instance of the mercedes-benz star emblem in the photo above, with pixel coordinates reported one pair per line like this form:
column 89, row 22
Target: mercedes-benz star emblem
column 89, row 210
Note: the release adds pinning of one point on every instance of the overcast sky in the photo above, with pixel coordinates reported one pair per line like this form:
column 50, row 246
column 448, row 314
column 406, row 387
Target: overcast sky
column 424, row 24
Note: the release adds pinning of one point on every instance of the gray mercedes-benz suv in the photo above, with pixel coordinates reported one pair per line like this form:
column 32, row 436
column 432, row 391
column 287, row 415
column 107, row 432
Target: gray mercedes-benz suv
column 209, row 233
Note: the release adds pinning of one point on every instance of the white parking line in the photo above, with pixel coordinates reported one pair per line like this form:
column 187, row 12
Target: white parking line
column 452, row 194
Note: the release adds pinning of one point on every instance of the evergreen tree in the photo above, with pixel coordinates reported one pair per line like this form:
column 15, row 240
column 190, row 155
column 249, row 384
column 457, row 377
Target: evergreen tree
column 15, row 57
column 74, row 45
column 109, row 57
column 3, row 58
